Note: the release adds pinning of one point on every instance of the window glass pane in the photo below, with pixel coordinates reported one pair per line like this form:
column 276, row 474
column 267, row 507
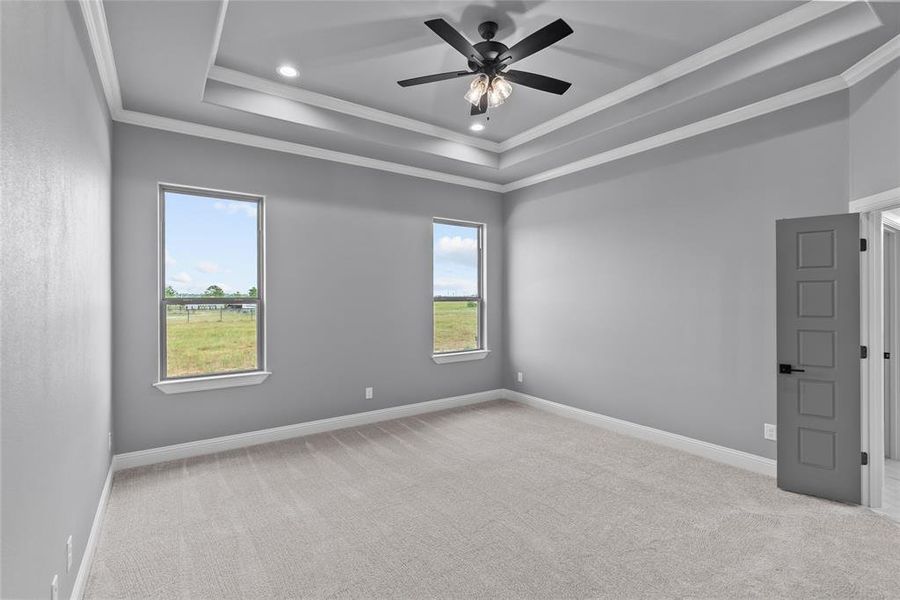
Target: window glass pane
column 211, row 250
column 455, row 326
column 210, row 338
column 455, row 260
column 456, row 275
column 210, row 245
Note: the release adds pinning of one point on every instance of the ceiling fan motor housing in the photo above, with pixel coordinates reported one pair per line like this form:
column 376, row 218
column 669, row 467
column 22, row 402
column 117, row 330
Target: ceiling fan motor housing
column 488, row 30
column 489, row 49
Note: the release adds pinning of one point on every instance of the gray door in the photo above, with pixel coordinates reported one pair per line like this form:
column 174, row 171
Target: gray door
column 819, row 356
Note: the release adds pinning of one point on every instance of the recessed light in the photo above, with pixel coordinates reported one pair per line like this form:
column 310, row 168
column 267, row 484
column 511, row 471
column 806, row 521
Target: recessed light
column 477, row 126
column 288, row 71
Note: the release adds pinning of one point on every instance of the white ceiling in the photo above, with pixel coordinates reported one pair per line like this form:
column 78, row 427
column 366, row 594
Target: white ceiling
column 358, row 51
column 211, row 64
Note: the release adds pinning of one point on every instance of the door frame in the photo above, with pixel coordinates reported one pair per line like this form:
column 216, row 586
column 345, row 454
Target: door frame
column 871, row 300
column 892, row 287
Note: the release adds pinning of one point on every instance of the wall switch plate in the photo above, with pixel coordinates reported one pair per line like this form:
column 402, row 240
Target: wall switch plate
column 68, row 554
column 520, row 377
column 54, row 588
column 109, row 440
column 370, row 393
column 770, row 431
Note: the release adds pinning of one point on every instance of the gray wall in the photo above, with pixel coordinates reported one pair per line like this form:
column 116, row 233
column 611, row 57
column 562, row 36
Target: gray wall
column 875, row 132
column 645, row 289
column 55, row 295
column 348, row 288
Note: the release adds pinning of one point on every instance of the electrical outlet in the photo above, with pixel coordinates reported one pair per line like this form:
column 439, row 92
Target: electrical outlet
column 520, row 377
column 68, row 554
column 54, row 588
column 370, row 393
column 770, row 431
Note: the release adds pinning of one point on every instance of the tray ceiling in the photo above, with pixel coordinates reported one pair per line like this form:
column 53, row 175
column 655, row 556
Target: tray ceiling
column 643, row 74
column 357, row 51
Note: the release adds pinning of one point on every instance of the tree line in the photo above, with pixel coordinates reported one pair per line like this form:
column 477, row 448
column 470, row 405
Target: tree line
column 214, row 291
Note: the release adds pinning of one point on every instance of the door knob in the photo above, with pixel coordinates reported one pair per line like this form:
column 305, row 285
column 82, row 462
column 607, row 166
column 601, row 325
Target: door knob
column 788, row 369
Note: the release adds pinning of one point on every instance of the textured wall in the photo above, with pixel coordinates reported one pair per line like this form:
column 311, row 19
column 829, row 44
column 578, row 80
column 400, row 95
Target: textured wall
column 55, row 294
column 875, row 132
column 645, row 289
column 348, row 288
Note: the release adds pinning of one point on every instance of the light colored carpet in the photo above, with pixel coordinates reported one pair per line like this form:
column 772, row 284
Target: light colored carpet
column 496, row 500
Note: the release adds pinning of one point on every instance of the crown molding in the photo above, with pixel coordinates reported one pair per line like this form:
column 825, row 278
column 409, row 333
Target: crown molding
column 783, row 23
column 891, row 220
column 882, row 200
column 298, row 94
column 874, row 61
column 274, row 88
column 258, row 141
column 751, row 111
column 217, row 39
column 98, row 34
column 778, row 25
column 95, row 20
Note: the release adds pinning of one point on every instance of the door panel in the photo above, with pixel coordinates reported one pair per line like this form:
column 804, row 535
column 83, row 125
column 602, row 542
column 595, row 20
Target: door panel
column 818, row 337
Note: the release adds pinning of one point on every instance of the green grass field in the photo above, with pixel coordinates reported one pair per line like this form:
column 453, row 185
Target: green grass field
column 209, row 341
column 455, row 326
column 221, row 341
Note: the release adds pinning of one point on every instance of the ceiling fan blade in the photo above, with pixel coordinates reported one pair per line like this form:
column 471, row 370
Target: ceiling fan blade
column 455, row 39
column 481, row 108
column 537, row 41
column 538, row 82
column 432, row 78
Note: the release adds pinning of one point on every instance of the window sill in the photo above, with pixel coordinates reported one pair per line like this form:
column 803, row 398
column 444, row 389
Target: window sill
column 215, row 382
column 452, row 357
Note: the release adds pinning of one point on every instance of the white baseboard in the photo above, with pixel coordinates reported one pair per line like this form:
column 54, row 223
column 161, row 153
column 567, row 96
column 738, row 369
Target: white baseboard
column 262, row 436
column 729, row 456
column 87, row 557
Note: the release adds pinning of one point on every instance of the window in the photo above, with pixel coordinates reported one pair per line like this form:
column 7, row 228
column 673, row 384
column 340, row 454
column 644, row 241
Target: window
column 211, row 292
column 458, row 289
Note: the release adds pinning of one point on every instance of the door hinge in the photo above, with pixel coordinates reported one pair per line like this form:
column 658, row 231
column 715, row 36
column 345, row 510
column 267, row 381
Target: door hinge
column 865, row 458
column 887, row 356
column 863, row 245
column 864, row 352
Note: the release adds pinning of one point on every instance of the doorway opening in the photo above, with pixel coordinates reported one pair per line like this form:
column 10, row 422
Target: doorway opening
column 890, row 497
column 880, row 331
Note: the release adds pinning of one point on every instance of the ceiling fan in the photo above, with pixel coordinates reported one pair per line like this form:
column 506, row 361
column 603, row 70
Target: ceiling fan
column 489, row 60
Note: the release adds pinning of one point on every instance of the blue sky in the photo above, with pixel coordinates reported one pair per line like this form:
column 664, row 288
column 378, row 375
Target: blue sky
column 210, row 241
column 455, row 260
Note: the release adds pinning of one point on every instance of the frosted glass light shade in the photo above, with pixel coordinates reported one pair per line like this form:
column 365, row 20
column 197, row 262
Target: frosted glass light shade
column 477, row 89
column 498, row 92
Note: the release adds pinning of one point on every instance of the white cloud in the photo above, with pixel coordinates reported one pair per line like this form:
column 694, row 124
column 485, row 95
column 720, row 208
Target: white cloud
column 205, row 266
column 457, row 245
column 457, row 249
column 169, row 260
column 181, row 278
column 455, row 286
column 233, row 207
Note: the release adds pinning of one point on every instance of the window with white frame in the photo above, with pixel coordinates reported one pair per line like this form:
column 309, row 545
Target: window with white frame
column 211, row 283
column 458, row 286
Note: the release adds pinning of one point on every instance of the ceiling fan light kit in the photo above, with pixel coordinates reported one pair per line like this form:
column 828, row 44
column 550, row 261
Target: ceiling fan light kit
column 477, row 89
column 498, row 91
column 489, row 61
